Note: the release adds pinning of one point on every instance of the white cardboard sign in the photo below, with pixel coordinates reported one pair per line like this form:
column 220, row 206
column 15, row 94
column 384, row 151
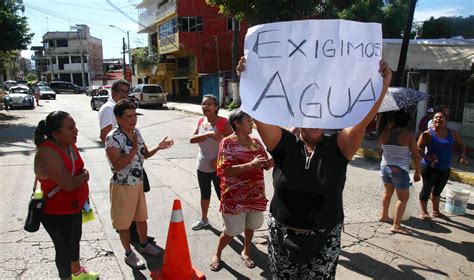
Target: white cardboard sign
column 312, row 73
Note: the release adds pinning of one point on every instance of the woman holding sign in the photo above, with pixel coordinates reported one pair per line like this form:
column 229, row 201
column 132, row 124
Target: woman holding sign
column 306, row 211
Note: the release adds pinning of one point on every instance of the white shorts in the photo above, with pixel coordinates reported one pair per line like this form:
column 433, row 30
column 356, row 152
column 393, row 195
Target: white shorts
column 235, row 224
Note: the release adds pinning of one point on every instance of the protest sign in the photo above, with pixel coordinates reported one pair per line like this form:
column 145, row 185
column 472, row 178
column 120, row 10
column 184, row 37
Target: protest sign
column 312, row 73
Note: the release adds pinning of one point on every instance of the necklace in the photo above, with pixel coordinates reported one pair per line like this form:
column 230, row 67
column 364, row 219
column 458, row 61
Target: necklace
column 308, row 158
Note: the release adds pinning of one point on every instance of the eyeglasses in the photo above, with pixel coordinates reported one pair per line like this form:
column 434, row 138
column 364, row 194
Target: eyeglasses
column 123, row 90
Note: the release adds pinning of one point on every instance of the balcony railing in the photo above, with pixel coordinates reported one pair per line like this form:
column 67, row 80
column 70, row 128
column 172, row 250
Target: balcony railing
column 166, row 10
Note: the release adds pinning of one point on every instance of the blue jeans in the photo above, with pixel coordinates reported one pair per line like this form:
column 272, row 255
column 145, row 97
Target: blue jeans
column 395, row 176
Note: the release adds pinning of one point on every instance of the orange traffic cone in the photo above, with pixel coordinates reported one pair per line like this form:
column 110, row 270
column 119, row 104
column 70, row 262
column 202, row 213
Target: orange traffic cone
column 176, row 261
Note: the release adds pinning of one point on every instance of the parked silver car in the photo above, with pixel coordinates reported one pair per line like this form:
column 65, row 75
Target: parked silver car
column 19, row 96
column 149, row 94
column 47, row 92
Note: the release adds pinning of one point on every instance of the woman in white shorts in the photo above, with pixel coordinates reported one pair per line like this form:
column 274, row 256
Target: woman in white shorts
column 240, row 165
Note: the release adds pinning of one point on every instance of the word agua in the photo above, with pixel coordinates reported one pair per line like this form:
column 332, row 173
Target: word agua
column 326, row 48
column 366, row 94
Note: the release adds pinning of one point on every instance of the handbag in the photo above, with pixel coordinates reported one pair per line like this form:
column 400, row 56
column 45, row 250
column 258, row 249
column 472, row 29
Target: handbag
column 303, row 248
column 33, row 217
column 146, row 183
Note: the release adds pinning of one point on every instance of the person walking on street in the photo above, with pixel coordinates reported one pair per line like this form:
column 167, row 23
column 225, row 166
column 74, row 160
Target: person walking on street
column 306, row 211
column 241, row 161
column 126, row 151
column 209, row 132
column 37, row 93
column 60, row 170
column 399, row 146
column 435, row 146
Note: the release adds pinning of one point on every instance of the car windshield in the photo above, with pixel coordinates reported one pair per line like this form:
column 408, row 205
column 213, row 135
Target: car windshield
column 152, row 89
column 44, row 88
column 19, row 90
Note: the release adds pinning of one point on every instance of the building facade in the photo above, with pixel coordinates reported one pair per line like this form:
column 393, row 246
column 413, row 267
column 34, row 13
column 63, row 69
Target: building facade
column 194, row 44
column 73, row 56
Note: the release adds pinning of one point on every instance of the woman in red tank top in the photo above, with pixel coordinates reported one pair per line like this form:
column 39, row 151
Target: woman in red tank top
column 60, row 170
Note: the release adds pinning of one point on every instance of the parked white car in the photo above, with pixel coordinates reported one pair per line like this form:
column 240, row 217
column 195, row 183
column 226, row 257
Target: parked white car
column 19, row 96
column 149, row 94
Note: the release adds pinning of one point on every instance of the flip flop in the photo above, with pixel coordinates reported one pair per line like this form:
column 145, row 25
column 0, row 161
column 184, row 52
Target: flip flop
column 425, row 217
column 215, row 265
column 248, row 262
column 441, row 216
column 401, row 231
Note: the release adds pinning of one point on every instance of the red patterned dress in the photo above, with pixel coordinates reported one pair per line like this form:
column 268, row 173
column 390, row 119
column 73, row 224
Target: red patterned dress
column 245, row 192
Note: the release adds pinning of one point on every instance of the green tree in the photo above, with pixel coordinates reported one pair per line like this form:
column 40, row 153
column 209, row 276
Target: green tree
column 391, row 13
column 447, row 27
column 14, row 31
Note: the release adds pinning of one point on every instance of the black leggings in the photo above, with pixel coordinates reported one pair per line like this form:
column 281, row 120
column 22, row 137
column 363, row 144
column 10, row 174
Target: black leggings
column 66, row 232
column 204, row 180
column 434, row 181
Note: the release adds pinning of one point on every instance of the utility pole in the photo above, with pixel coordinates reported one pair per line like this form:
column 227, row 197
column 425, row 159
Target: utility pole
column 129, row 52
column 124, row 63
column 397, row 81
column 235, row 45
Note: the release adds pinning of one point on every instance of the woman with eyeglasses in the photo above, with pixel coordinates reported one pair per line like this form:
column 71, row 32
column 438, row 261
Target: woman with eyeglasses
column 208, row 133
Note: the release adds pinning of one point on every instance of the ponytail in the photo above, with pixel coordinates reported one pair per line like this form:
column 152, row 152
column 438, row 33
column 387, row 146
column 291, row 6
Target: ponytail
column 40, row 133
column 44, row 130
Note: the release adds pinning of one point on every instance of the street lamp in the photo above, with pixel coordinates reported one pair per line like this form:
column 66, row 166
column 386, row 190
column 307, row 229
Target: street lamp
column 128, row 44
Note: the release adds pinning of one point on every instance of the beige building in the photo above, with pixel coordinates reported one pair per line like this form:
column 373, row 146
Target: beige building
column 74, row 56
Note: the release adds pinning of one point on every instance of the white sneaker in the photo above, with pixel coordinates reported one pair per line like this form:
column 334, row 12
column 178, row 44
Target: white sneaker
column 134, row 261
column 149, row 250
column 200, row 224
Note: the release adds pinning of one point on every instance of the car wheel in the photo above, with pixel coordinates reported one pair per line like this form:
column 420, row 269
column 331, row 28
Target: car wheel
column 93, row 107
column 159, row 106
column 54, row 97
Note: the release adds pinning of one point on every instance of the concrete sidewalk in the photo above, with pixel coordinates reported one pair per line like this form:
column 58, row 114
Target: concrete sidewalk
column 369, row 150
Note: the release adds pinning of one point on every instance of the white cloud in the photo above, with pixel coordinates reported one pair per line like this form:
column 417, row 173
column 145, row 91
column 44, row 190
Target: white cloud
column 425, row 14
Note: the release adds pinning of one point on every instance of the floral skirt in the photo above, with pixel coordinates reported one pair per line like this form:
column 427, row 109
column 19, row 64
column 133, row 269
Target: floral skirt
column 323, row 266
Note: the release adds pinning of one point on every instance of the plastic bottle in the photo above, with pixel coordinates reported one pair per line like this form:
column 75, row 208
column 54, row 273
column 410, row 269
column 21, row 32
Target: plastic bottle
column 38, row 194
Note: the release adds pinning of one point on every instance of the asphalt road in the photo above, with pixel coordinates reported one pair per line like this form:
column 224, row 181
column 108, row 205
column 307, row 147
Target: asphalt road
column 438, row 250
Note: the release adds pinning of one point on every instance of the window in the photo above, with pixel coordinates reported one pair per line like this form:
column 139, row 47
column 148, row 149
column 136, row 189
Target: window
column 84, row 57
column 183, row 62
column 230, row 24
column 75, row 59
column 61, row 43
column 62, row 60
column 168, row 28
column 190, row 24
column 53, row 59
column 52, row 43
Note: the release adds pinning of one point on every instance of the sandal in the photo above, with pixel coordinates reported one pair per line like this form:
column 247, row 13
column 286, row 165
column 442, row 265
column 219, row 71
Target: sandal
column 425, row 217
column 215, row 265
column 401, row 231
column 248, row 262
column 441, row 216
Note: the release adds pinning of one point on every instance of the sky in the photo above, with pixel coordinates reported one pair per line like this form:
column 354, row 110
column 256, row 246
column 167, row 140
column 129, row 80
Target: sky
column 59, row 15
